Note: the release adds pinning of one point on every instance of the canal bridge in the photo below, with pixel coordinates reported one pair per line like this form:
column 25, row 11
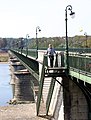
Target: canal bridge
column 61, row 91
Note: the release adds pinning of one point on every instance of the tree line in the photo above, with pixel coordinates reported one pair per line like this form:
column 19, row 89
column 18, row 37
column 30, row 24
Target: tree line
column 58, row 42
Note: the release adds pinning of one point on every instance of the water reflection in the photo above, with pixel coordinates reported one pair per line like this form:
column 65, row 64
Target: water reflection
column 5, row 88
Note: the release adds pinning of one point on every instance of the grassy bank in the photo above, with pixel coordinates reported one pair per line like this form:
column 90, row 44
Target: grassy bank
column 4, row 57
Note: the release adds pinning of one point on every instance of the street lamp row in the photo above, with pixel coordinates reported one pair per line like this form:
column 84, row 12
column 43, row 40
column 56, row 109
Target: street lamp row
column 27, row 37
column 69, row 7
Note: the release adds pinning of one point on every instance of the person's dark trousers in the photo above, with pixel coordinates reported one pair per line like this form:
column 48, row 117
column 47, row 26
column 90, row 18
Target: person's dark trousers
column 51, row 60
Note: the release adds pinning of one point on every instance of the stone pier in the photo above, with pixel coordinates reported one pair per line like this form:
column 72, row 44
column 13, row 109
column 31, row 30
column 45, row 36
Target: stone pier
column 14, row 66
column 21, row 82
column 23, row 86
column 75, row 104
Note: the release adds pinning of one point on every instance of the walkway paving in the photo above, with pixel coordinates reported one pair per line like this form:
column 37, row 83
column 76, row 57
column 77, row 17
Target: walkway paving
column 19, row 112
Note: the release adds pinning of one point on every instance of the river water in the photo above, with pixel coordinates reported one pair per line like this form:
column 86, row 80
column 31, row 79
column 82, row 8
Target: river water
column 5, row 87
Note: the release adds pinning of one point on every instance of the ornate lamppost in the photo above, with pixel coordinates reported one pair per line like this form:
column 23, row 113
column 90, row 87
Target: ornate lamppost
column 37, row 30
column 69, row 7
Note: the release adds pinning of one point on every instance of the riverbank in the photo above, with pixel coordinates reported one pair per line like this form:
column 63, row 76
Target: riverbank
column 4, row 57
column 19, row 112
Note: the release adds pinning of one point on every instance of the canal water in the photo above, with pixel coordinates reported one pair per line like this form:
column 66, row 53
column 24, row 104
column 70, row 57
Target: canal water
column 5, row 87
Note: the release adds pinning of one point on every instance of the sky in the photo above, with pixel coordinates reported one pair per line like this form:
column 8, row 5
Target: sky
column 21, row 17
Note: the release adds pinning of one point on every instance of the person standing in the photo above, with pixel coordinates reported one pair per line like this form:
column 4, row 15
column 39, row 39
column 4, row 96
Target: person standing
column 50, row 53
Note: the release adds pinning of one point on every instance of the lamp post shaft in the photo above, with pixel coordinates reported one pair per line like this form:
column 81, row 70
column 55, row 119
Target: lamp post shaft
column 37, row 46
column 69, row 7
column 36, row 43
column 27, row 36
column 67, row 52
column 86, row 42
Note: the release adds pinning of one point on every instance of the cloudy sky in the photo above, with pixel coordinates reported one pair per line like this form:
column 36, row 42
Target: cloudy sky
column 21, row 17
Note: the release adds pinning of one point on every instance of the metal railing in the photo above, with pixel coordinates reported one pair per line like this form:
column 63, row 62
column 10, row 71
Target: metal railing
column 80, row 62
column 29, row 52
column 77, row 60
